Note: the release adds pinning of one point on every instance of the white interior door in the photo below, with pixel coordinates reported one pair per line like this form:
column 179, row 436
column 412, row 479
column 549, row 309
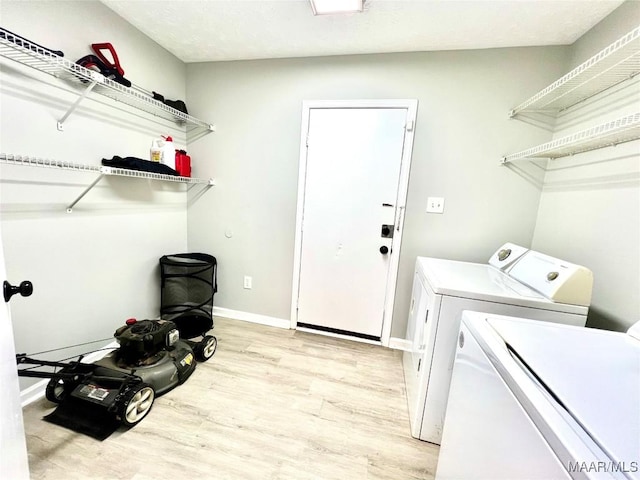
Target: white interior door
column 13, row 450
column 352, row 175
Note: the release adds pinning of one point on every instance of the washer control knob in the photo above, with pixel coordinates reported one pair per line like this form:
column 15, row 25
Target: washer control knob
column 503, row 254
column 551, row 276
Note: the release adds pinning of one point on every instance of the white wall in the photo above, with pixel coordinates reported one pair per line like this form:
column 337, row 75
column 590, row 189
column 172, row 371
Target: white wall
column 590, row 204
column 462, row 131
column 97, row 266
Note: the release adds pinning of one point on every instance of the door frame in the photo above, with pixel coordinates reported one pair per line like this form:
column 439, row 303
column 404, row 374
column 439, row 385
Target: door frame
column 411, row 105
column 13, row 456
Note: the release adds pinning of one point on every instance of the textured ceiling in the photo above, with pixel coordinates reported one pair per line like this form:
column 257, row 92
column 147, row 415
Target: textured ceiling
column 216, row 30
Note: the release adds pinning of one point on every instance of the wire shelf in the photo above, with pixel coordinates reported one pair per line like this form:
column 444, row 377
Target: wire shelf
column 621, row 130
column 24, row 160
column 123, row 172
column 11, row 159
column 618, row 62
column 26, row 53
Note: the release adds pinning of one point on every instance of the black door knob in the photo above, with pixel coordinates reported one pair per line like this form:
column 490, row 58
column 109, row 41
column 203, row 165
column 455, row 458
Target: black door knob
column 25, row 289
column 384, row 249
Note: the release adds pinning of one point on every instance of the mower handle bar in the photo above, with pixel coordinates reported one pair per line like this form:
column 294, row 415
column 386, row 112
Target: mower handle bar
column 22, row 359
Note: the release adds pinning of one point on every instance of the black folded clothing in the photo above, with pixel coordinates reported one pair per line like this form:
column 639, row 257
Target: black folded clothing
column 177, row 104
column 133, row 163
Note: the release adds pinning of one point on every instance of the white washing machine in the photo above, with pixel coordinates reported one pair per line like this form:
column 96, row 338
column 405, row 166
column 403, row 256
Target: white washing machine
column 533, row 400
column 516, row 281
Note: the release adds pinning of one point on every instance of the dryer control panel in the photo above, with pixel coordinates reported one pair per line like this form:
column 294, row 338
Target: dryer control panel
column 506, row 256
column 556, row 279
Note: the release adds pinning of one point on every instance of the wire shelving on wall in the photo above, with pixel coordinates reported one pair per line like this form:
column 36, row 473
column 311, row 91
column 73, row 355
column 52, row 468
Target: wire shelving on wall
column 26, row 53
column 22, row 160
column 616, row 63
column 621, row 130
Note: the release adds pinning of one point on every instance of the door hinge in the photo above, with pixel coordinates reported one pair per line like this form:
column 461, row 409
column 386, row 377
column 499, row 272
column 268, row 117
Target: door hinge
column 409, row 126
column 307, row 141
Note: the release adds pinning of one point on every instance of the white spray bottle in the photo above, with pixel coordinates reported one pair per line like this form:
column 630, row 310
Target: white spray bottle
column 168, row 152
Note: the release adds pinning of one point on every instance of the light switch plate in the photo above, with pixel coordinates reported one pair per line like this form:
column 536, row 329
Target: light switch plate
column 435, row 205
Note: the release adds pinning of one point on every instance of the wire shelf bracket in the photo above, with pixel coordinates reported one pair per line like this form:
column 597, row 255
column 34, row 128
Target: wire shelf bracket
column 84, row 94
column 32, row 55
column 86, row 190
column 621, row 130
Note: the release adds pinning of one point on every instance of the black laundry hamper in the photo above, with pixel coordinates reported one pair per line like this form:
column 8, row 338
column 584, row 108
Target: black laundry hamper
column 188, row 284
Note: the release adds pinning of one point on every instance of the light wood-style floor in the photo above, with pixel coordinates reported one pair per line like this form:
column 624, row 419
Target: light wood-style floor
column 270, row 404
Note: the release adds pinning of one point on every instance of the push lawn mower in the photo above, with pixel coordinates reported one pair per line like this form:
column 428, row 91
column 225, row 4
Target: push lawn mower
column 153, row 357
column 121, row 387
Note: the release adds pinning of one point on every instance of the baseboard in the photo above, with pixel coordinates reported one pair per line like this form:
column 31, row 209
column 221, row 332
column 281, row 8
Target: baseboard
column 36, row 391
column 33, row 393
column 400, row 344
column 251, row 317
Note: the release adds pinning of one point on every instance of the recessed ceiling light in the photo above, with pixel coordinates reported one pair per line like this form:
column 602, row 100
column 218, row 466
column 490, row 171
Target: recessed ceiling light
column 327, row 7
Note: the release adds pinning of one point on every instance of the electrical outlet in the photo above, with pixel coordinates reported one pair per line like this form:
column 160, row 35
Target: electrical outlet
column 435, row 205
column 247, row 282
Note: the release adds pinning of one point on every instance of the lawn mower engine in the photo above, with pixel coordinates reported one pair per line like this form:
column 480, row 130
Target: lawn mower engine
column 140, row 341
column 153, row 351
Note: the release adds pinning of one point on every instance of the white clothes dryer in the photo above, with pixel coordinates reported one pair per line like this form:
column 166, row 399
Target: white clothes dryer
column 537, row 401
column 516, row 281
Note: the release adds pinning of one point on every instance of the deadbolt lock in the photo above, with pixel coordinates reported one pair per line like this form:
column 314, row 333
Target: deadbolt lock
column 386, row 231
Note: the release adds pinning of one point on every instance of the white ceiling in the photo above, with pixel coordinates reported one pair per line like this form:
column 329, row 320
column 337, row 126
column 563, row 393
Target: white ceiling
column 217, row 30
